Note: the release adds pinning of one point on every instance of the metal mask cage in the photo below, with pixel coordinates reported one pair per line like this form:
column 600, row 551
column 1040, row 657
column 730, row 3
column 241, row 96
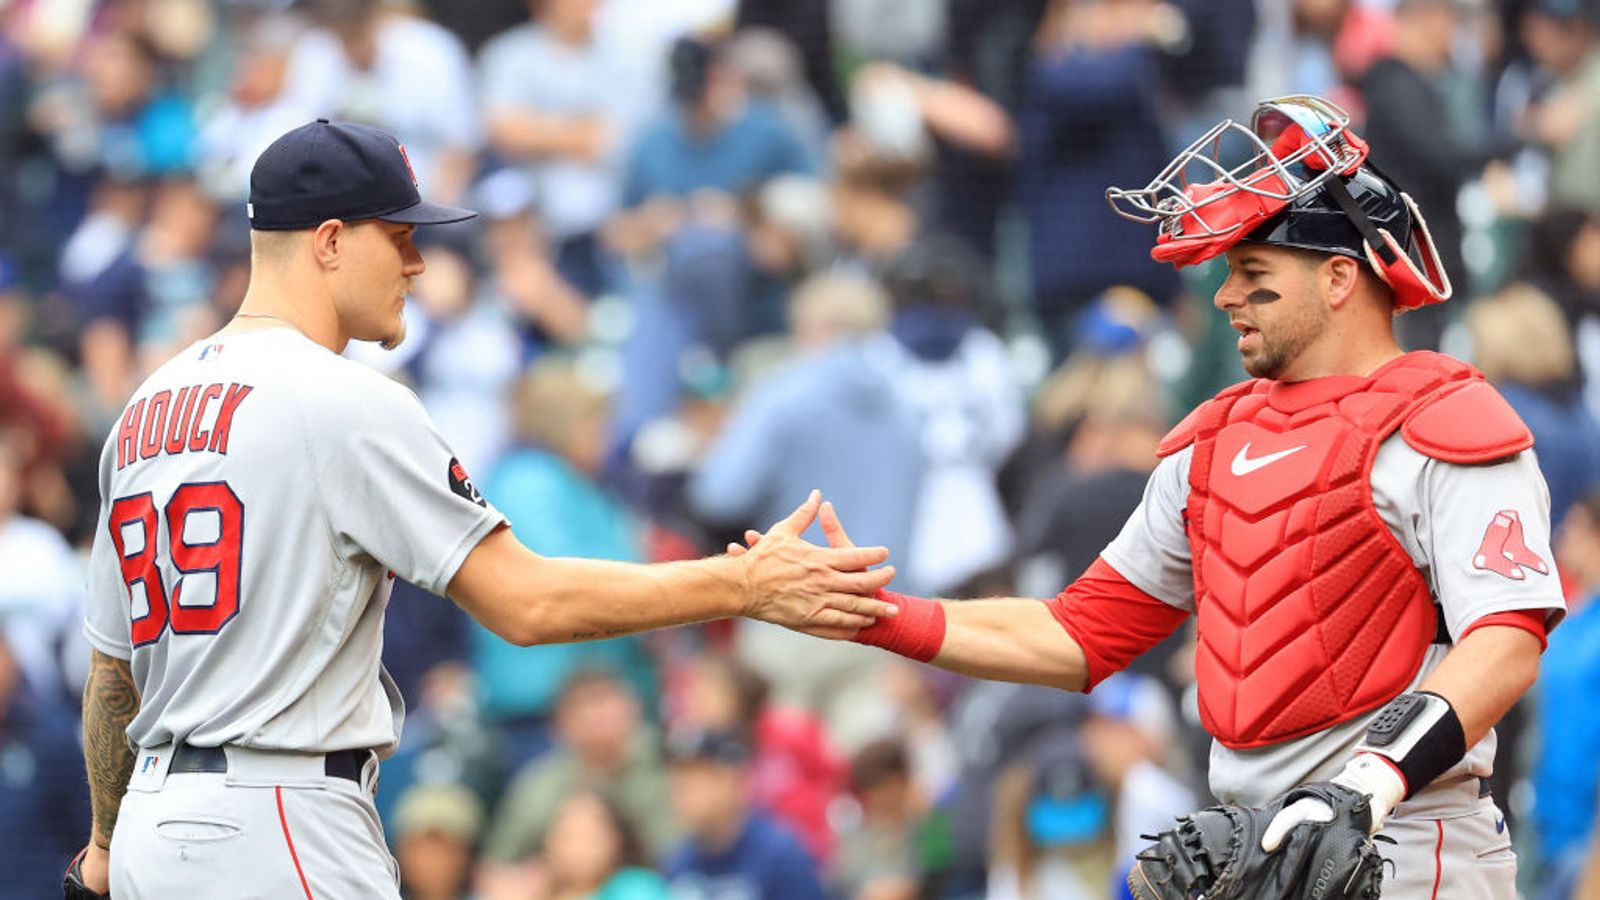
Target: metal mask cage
column 1321, row 149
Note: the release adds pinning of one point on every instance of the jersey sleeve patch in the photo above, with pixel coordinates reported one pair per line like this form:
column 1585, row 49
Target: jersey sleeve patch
column 1504, row 551
column 461, row 485
column 1472, row 425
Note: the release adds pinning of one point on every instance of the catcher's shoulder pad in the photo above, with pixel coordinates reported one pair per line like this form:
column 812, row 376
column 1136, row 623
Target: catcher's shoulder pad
column 1471, row 424
column 1184, row 433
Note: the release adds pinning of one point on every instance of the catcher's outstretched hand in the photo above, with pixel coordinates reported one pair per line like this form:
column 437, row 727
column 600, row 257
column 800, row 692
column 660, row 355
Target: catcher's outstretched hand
column 76, row 884
column 1217, row 853
column 827, row 591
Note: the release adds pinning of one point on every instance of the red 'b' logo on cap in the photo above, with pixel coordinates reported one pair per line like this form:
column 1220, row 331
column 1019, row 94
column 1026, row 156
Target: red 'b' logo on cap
column 407, row 157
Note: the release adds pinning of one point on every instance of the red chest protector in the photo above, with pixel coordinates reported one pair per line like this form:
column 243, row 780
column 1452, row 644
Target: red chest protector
column 1310, row 612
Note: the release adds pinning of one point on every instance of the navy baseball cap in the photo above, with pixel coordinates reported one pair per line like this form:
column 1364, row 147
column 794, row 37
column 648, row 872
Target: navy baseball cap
column 338, row 170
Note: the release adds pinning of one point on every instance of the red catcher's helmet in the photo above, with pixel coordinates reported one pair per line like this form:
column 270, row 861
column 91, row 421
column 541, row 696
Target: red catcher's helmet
column 1305, row 183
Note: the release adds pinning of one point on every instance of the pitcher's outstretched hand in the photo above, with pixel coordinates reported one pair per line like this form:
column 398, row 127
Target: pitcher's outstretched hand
column 822, row 591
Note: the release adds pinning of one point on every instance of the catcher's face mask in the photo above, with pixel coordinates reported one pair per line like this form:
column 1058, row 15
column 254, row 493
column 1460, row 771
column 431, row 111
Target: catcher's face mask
column 1294, row 147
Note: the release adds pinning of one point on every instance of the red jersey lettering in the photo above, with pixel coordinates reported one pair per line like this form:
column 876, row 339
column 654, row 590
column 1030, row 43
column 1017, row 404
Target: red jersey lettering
column 198, row 437
column 178, row 427
column 155, row 419
column 230, row 405
column 128, row 435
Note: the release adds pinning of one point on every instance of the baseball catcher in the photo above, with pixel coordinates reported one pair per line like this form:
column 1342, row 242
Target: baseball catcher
column 1360, row 533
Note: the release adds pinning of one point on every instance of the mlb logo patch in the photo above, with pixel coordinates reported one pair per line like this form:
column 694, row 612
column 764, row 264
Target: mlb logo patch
column 210, row 351
column 150, row 763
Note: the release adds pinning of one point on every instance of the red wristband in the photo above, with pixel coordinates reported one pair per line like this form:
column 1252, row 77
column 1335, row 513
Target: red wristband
column 917, row 633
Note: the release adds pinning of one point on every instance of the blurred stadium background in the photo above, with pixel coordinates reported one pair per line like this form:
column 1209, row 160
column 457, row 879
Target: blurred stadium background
column 731, row 251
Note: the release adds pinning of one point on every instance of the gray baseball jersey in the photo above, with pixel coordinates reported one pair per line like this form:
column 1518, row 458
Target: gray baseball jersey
column 1441, row 513
column 259, row 495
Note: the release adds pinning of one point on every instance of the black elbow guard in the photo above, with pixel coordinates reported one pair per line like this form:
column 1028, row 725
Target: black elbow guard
column 1420, row 733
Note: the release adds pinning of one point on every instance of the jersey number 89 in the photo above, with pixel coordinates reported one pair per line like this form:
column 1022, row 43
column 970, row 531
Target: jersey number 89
column 219, row 557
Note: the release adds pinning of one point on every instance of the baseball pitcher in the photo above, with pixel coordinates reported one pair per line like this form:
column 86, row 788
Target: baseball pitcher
column 260, row 494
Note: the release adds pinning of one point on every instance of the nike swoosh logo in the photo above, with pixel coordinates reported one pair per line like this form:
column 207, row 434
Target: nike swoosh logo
column 1499, row 826
column 1244, row 465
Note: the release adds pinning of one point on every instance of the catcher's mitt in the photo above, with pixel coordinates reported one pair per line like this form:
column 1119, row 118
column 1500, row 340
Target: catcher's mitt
column 72, row 886
column 1216, row 854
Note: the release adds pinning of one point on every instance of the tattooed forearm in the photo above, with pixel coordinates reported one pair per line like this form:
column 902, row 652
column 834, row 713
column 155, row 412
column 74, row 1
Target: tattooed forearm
column 110, row 702
column 589, row 635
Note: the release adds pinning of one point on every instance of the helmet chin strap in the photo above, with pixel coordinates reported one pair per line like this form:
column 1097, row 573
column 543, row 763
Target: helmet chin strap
column 1359, row 218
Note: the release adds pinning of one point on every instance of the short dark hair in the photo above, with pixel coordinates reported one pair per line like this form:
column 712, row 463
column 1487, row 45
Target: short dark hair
column 879, row 762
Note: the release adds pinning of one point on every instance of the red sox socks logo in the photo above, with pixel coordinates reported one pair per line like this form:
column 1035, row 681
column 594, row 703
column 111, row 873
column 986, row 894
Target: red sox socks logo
column 1503, row 550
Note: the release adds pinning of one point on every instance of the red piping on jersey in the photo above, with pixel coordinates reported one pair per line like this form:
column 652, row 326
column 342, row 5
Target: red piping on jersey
column 284, row 821
column 1438, row 866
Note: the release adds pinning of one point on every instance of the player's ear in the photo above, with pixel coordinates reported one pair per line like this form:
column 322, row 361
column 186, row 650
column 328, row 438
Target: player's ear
column 1340, row 277
column 326, row 242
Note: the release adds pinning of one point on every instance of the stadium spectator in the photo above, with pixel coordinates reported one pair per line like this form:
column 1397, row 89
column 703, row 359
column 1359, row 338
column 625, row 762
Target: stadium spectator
column 1565, row 779
column 771, row 68
column 560, row 99
column 730, row 848
column 996, row 726
column 809, row 27
column 1098, row 420
column 1052, row 833
column 384, row 66
column 436, row 830
column 1090, row 117
column 879, row 858
column 549, row 487
column 1539, row 386
column 832, row 418
column 40, row 423
column 105, row 292
column 115, row 116
column 43, row 807
column 958, row 376
column 795, row 774
column 173, row 250
column 1315, row 47
column 713, row 136
column 1563, row 261
column 1414, row 139
column 42, row 597
column 254, row 112
column 919, row 697
column 591, row 851
column 519, row 275
column 1563, row 39
column 602, row 744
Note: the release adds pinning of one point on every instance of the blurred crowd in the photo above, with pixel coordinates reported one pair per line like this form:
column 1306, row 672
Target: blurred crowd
column 732, row 250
